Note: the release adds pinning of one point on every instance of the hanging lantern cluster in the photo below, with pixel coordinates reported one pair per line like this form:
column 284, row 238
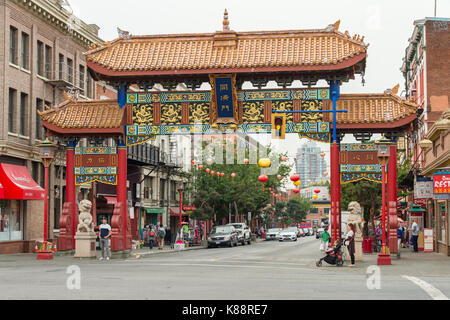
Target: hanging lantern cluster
column 296, row 190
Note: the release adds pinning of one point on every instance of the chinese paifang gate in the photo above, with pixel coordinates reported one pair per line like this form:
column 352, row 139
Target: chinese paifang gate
column 225, row 59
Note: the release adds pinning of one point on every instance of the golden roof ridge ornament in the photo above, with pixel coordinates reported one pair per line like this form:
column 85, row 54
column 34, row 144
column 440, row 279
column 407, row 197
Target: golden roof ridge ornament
column 226, row 23
column 334, row 26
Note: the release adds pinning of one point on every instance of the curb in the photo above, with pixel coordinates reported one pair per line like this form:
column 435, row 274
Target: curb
column 137, row 255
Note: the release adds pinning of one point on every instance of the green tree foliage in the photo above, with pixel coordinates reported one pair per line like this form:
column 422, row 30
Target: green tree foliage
column 216, row 195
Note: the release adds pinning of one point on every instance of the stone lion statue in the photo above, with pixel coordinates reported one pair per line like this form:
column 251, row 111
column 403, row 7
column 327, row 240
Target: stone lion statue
column 85, row 218
column 355, row 217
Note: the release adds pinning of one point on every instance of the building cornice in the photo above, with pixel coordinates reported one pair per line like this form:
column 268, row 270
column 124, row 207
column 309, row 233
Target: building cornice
column 442, row 161
column 60, row 19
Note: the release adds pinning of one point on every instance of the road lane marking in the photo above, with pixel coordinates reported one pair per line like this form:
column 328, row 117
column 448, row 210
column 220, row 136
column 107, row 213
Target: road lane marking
column 434, row 293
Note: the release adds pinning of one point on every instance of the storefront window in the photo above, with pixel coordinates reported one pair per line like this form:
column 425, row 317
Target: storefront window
column 11, row 220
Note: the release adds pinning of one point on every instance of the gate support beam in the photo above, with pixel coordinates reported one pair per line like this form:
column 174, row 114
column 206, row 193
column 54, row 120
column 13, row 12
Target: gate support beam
column 392, row 200
column 335, row 185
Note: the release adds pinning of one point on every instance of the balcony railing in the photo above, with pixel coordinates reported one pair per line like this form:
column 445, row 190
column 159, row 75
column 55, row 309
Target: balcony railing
column 144, row 153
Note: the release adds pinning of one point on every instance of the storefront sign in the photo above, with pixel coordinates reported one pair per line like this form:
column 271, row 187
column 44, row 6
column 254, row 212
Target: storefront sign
column 423, row 188
column 96, row 164
column 359, row 161
column 441, row 185
column 421, row 202
column 428, row 240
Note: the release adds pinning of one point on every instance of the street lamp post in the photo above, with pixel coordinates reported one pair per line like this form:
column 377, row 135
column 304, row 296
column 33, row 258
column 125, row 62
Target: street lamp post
column 180, row 189
column 383, row 145
column 47, row 149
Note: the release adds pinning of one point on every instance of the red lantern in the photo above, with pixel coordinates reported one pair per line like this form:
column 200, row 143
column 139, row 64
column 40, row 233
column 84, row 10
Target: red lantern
column 322, row 154
column 222, row 174
column 296, row 191
column 245, row 160
column 279, row 177
column 194, row 162
column 207, row 170
column 325, row 173
column 283, row 158
column 317, row 190
column 233, row 175
column 200, row 167
column 212, row 172
column 295, row 177
column 218, row 173
column 263, row 178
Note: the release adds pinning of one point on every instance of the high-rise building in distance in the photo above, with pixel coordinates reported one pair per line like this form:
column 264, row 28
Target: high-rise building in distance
column 309, row 164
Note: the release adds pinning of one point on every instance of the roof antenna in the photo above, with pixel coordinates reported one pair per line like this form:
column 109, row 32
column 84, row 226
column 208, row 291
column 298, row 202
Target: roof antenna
column 226, row 23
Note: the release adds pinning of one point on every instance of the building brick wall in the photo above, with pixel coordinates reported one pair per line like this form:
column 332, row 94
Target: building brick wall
column 437, row 60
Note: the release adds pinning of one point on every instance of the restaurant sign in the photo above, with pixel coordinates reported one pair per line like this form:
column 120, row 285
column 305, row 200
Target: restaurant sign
column 441, row 185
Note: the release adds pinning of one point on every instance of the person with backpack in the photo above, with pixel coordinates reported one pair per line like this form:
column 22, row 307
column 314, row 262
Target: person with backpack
column 325, row 240
column 151, row 238
column 161, row 235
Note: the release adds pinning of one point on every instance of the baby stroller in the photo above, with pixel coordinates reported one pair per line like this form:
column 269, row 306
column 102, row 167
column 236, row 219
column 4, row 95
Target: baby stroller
column 334, row 256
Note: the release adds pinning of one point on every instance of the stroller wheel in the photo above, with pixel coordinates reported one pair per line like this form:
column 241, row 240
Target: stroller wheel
column 339, row 262
column 319, row 263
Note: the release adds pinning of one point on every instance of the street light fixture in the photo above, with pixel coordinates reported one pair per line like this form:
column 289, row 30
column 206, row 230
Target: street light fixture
column 180, row 188
column 383, row 146
column 47, row 153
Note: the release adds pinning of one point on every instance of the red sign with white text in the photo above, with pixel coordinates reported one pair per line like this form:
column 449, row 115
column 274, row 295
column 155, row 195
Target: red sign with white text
column 441, row 183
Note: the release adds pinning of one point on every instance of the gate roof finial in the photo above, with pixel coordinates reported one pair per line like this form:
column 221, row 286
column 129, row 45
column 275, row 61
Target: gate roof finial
column 226, row 23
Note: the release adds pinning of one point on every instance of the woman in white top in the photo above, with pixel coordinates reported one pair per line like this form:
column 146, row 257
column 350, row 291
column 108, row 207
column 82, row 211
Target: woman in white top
column 350, row 243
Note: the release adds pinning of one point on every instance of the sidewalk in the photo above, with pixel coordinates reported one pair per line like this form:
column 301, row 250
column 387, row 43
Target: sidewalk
column 409, row 263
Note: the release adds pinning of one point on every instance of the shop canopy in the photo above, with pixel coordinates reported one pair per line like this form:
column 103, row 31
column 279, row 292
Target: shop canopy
column 111, row 200
column 18, row 184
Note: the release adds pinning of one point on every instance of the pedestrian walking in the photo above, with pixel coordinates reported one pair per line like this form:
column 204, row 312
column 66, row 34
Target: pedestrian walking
column 151, row 238
column 415, row 235
column 105, row 239
column 325, row 240
column 350, row 243
column 161, row 235
column 399, row 236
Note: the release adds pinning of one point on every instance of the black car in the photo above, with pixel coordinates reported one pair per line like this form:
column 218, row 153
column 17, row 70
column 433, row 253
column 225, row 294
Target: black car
column 223, row 235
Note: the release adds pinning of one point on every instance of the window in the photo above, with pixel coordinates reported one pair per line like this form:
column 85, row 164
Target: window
column 35, row 168
column 81, row 80
column 88, row 86
column 442, row 221
column 61, row 67
column 40, row 60
column 12, row 110
column 69, row 70
column 39, row 106
column 13, row 45
column 148, row 188
column 11, row 221
column 23, row 113
column 24, row 52
column 48, row 61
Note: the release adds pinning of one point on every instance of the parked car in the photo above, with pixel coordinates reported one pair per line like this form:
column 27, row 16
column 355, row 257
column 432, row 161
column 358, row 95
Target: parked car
column 319, row 232
column 288, row 234
column 244, row 235
column 222, row 235
column 273, row 234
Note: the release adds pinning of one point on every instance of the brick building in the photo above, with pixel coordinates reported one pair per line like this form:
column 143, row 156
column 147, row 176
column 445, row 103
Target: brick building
column 42, row 56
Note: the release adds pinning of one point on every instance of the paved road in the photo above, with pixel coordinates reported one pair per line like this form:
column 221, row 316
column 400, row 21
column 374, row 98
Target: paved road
column 266, row 270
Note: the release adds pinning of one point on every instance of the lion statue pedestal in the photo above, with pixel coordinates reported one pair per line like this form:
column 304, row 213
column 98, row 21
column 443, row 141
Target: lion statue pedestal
column 85, row 237
column 355, row 217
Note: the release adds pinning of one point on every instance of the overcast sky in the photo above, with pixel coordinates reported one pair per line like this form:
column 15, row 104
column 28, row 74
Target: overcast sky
column 385, row 24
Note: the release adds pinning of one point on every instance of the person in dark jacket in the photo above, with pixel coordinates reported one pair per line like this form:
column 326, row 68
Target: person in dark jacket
column 350, row 243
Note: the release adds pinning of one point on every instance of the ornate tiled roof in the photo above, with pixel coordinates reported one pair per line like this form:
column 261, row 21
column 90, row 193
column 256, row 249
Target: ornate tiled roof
column 383, row 108
column 226, row 51
column 86, row 114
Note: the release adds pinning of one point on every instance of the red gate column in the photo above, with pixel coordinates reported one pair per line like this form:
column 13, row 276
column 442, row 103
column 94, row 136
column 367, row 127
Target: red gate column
column 69, row 218
column 335, row 193
column 392, row 200
column 122, row 194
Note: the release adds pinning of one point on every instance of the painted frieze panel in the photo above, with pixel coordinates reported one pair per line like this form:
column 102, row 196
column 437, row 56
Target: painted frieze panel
column 170, row 113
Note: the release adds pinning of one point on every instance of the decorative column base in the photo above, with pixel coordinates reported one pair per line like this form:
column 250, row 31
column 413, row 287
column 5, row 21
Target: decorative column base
column 384, row 259
column 85, row 245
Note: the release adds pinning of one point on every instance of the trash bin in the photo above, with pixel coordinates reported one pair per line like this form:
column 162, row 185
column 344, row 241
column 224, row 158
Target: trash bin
column 367, row 245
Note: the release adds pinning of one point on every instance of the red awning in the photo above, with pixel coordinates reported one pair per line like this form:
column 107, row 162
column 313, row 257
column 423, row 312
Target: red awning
column 18, row 184
column 111, row 200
